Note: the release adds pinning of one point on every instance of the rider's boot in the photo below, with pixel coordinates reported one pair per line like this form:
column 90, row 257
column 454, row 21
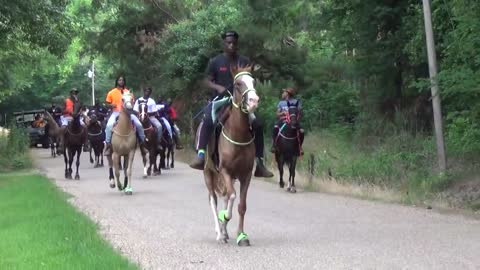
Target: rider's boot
column 260, row 170
column 108, row 149
column 143, row 148
column 198, row 162
column 178, row 145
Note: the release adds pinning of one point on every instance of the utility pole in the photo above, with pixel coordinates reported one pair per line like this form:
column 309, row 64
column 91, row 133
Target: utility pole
column 91, row 74
column 432, row 67
column 93, row 82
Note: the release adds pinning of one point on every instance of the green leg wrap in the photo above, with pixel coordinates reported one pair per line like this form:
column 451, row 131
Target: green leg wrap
column 222, row 216
column 241, row 237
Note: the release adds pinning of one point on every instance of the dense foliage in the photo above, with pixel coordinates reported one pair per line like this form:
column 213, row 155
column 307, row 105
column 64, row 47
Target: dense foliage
column 357, row 64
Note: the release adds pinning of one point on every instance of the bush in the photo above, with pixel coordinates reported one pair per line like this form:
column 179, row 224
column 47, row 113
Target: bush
column 15, row 150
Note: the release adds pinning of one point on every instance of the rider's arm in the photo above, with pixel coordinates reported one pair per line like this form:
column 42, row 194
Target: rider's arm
column 279, row 112
column 109, row 100
column 210, row 78
column 217, row 87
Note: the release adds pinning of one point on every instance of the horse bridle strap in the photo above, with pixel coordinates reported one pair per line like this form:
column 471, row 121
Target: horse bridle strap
column 235, row 142
column 246, row 91
column 75, row 134
column 123, row 135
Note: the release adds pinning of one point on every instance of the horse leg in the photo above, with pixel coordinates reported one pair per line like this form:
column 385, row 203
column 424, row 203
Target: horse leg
column 172, row 156
column 52, row 147
column 129, row 166
column 156, row 169
column 77, row 163
column 91, row 158
column 280, row 163
column 212, row 197
column 111, row 177
column 293, row 165
column 65, row 158
column 71, row 154
column 145, row 159
column 242, row 237
column 116, row 163
column 225, row 215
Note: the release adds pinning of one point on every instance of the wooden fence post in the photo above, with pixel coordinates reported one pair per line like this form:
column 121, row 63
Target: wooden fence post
column 311, row 169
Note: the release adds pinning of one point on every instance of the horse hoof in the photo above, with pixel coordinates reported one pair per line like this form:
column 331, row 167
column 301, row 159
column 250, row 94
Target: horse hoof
column 244, row 243
column 77, row 177
column 145, row 176
column 112, row 185
column 293, row 190
column 282, row 184
column 128, row 192
column 288, row 189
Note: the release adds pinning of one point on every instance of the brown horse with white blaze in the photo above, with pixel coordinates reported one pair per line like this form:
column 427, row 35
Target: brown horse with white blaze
column 124, row 144
column 236, row 152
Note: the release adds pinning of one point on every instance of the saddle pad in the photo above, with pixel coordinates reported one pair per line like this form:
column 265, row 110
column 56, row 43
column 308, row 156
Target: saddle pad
column 217, row 106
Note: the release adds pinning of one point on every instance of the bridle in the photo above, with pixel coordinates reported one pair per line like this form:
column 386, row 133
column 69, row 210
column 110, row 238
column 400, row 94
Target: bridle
column 242, row 107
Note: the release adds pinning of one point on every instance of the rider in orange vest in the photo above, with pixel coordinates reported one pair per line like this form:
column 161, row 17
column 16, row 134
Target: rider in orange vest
column 114, row 101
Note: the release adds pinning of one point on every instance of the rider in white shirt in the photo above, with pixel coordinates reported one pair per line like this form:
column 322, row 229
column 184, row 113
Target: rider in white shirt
column 151, row 110
column 161, row 112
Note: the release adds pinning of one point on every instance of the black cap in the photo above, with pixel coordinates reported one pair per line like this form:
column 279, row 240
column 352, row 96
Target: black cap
column 74, row 90
column 230, row 34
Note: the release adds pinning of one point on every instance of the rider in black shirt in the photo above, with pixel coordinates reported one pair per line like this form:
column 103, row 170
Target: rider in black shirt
column 219, row 78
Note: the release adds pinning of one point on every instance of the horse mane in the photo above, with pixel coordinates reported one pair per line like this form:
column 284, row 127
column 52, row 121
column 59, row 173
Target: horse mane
column 237, row 69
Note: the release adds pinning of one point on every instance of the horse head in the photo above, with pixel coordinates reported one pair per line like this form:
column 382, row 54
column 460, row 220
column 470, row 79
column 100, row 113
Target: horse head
column 244, row 93
column 127, row 100
column 292, row 114
column 143, row 111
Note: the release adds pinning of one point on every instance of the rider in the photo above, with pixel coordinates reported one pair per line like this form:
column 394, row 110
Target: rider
column 56, row 112
column 67, row 116
column 172, row 118
column 68, row 108
column 39, row 121
column 219, row 78
column 99, row 110
column 115, row 102
column 162, row 108
column 288, row 97
column 151, row 110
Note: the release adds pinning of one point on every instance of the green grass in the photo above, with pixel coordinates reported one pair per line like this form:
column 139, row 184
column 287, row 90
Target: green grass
column 40, row 230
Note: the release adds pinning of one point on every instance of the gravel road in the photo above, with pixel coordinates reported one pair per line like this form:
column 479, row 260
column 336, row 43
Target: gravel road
column 167, row 224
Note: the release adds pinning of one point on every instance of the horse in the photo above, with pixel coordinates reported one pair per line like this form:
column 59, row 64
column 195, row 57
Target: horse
column 74, row 136
column 152, row 142
column 54, row 132
column 124, row 144
column 236, row 155
column 96, row 136
column 287, row 146
column 167, row 153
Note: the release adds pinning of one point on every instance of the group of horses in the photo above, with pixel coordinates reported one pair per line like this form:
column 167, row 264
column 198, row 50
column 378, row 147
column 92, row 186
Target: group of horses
column 230, row 155
column 71, row 138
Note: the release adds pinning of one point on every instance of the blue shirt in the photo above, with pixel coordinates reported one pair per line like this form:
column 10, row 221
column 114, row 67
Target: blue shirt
column 283, row 104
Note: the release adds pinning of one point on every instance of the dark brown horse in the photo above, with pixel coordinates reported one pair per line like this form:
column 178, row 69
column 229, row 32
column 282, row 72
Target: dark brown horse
column 287, row 144
column 167, row 154
column 96, row 136
column 74, row 136
column 236, row 153
column 54, row 132
column 151, row 135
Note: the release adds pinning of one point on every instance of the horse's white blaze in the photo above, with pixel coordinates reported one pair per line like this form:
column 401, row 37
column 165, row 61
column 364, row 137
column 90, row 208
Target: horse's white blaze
column 252, row 97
